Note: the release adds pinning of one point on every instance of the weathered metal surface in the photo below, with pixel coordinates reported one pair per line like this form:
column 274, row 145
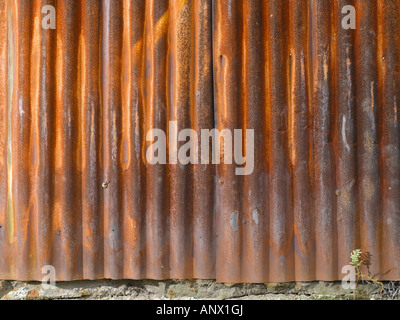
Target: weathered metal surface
column 77, row 192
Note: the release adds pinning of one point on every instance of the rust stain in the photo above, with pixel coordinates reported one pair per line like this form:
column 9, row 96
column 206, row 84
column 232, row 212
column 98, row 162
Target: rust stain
column 10, row 206
column 326, row 66
column 372, row 97
column 79, row 193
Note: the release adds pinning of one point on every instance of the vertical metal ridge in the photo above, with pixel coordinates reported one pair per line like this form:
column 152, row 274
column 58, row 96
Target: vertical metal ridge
column 299, row 132
column 67, row 219
column 10, row 70
column 345, row 140
column 253, row 115
column 389, row 85
column 111, row 135
column 132, row 166
column 178, row 109
column 202, row 117
column 267, row 137
column 281, row 231
column 323, row 160
column 157, row 202
column 88, row 155
column 19, row 113
column 4, row 103
column 227, row 64
column 368, row 106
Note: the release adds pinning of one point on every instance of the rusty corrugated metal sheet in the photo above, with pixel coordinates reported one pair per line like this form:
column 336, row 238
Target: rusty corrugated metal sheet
column 76, row 104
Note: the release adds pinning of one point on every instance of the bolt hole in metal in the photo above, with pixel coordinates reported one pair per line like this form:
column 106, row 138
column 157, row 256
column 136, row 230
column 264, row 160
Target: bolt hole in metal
column 105, row 184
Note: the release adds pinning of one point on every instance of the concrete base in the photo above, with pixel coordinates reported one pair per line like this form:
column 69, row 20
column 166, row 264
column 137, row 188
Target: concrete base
column 185, row 289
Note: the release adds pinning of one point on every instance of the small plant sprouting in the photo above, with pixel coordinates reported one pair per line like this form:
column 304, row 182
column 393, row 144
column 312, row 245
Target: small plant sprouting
column 355, row 258
column 359, row 259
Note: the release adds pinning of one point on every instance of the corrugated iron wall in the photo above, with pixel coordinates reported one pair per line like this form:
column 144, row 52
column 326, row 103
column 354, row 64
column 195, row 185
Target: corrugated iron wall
column 76, row 191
